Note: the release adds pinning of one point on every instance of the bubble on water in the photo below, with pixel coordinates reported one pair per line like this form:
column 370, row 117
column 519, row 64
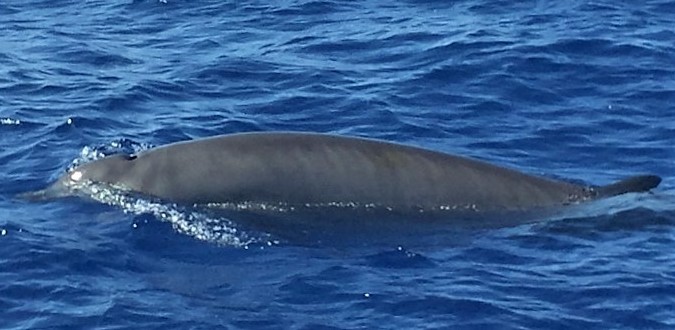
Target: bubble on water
column 9, row 121
column 193, row 223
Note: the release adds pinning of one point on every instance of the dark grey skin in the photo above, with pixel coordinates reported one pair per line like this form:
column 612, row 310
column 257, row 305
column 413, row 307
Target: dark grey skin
column 298, row 169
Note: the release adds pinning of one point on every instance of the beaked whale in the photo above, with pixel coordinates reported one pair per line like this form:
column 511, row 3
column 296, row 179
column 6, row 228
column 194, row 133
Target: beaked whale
column 312, row 169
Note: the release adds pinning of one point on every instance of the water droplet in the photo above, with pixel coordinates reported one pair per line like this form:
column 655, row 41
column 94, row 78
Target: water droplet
column 76, row 176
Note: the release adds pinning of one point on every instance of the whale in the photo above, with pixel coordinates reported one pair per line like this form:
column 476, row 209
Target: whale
column 295, row 170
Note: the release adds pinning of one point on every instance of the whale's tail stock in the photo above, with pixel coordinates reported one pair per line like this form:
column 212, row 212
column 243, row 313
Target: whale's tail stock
column 638, row 183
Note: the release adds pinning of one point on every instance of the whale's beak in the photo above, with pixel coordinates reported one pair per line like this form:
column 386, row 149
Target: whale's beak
column 55, row 190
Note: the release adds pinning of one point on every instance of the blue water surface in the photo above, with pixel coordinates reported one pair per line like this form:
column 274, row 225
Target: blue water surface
column 580, row 90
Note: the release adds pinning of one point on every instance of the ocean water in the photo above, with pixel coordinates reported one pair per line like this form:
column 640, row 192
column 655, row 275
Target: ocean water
column 581, row 90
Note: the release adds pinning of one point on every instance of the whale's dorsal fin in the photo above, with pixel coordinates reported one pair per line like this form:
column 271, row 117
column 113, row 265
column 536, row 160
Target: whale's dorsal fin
column 639, row 183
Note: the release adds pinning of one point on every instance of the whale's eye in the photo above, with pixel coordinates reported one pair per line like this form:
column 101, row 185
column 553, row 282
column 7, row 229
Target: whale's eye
column 131, row 157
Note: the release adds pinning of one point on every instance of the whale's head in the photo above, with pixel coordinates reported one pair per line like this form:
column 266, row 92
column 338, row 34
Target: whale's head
column 109, row 171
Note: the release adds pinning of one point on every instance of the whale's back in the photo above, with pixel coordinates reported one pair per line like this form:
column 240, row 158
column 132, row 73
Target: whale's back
column 320, row 169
